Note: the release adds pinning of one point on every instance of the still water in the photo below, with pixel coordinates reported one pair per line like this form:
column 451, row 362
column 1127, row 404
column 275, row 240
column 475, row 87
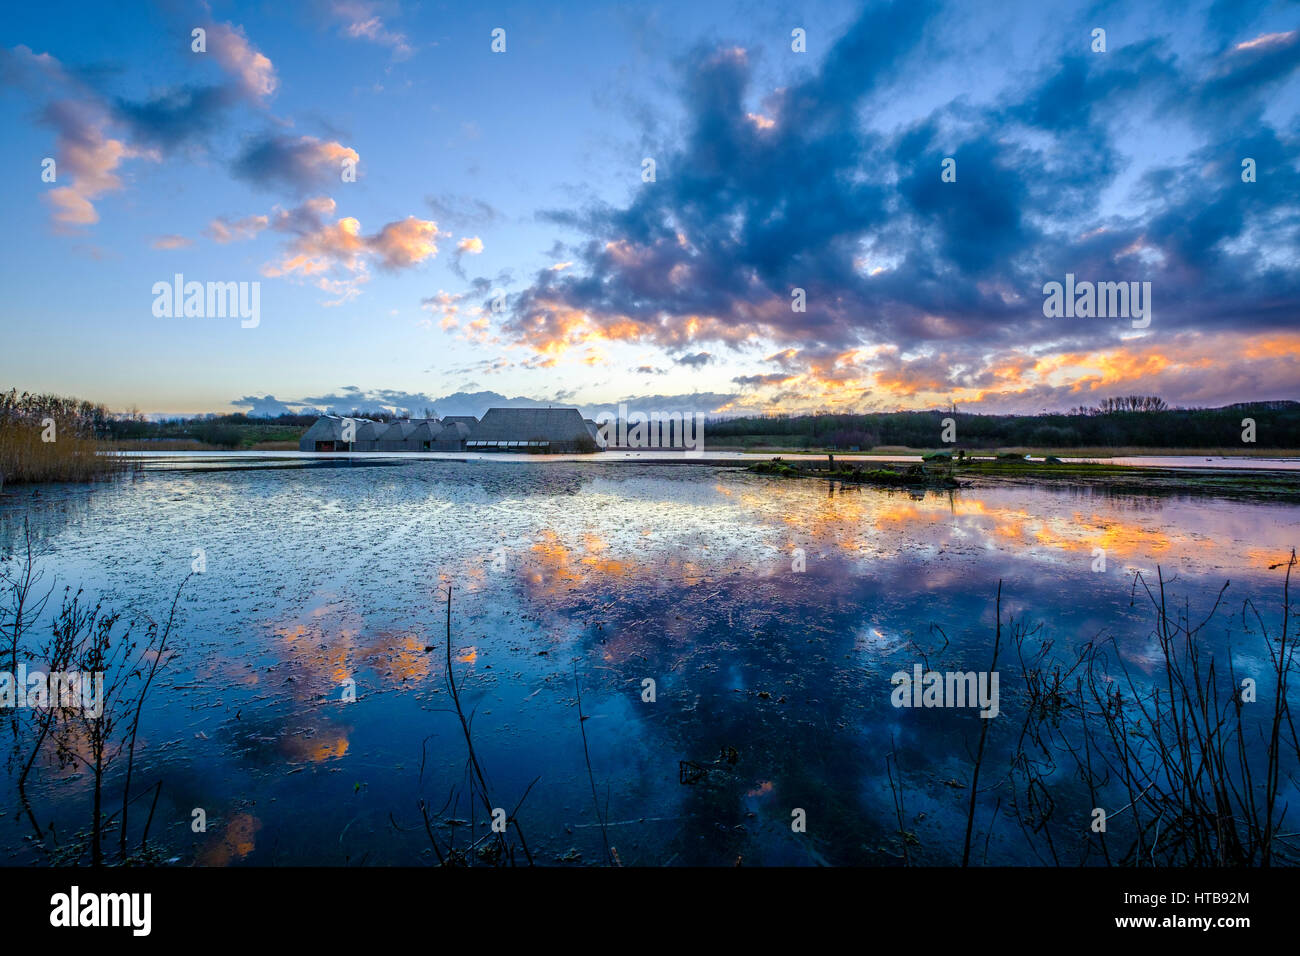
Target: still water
column 769, row 614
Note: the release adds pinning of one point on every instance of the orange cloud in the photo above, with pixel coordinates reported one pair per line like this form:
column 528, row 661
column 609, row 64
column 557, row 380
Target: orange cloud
column 322, row 246
column 406, row 242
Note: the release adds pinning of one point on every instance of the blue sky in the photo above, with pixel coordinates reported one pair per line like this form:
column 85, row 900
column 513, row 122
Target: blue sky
column 518, row 176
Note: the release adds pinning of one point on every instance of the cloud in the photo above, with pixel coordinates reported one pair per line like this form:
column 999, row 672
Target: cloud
column 395, row 401
column 806, row 192
column 704, row 403
column 250, row 68
column 91, row 158
column 766, row 378
column 361, row 21
column 446, row 307
column 336, row 255
column 1189, row 369
column 265, row 405
column 698, row 360
column 319, row 244
column 71, row 208
column 171, row 242
column 96, row 132
column 472, row 246
column 177, row 114
column 88, row 158
column 223, row 230
column 297, row 163
column 463, row 212
column 402, row 244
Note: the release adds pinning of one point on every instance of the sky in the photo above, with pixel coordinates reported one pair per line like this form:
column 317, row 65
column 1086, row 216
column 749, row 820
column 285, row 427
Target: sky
column 702, row 206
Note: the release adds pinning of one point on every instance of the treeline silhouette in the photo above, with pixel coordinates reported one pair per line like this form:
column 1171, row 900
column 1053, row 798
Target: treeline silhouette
column 222, row 431
column 1130, row 421
column 1123, row 421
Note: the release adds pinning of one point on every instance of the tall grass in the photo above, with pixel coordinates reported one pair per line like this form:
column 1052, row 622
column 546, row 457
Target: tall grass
column 52, row 438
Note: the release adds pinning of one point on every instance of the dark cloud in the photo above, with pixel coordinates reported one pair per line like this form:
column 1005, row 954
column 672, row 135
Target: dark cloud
column 697, row 360
column 177, row 115
column 770, row 378
column 704, row 403
column 393, row 401
column 752, row 201
column 296, row 163
column 471, row 403
column 267, row 405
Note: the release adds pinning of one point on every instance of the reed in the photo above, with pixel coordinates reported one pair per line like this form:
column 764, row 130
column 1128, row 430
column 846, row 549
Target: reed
column 1198, row 769
column 500, row 851
column 61, row 731
column 52, row 438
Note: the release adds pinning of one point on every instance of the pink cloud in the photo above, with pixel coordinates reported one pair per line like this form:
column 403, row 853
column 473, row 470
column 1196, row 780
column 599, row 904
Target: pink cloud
column 251, row 69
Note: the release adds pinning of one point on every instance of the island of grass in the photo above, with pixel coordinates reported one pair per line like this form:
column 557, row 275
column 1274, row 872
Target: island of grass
column 943, row 471
column 907, row 476
column 1278, row 485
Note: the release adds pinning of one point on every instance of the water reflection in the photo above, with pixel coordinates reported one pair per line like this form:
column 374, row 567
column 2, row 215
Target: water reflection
column 769, row 614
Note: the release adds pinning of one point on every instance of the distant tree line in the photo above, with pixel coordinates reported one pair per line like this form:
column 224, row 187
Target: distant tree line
column 1124, row 403
column 1129, row 421
column 92, row 421
column 223, row 431
column 1121, row 421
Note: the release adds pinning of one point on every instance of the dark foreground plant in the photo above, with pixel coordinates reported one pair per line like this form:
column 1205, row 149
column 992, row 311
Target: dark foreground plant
column 1187, row 766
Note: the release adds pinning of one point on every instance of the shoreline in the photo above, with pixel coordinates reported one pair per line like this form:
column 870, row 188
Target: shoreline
column 1234, row 482
column 720, row 458
column 1246, row 478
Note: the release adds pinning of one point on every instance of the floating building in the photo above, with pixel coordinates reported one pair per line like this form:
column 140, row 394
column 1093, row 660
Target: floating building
column 535, row 430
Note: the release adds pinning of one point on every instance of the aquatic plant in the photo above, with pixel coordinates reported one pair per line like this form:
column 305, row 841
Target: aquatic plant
column 1201, row 776
column 914, row 476
column 77, row 729
column 51, row 438
column 500, row 849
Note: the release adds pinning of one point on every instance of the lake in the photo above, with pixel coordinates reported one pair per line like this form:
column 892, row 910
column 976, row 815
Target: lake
column 769, row 615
